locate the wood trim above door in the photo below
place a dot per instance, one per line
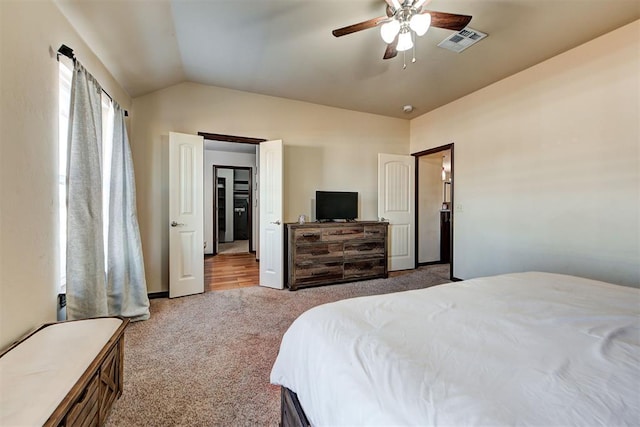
(230, 138)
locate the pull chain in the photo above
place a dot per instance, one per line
(413, 60)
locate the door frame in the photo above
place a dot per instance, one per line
(417, 205)
(215, 205)
(240, 140)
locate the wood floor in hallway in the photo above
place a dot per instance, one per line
(231, 271)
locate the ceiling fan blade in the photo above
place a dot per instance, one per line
(448, 21)
(359, 26)
(391, 51)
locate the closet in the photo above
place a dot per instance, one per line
(233, 195)
(241, 204)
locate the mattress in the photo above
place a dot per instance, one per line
(516, 349)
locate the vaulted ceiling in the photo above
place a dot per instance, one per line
(285, 48)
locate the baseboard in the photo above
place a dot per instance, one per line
(153, 295)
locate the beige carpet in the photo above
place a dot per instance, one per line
(205, 360)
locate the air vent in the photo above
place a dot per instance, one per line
(461, 40)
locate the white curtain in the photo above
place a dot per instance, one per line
(86, 292)
(127, 288)
(95, 287)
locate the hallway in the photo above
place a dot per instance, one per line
(231, 271)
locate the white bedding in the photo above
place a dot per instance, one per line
(517, 349)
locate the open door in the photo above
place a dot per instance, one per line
(396, 183)
(186, 215)
(271, 211)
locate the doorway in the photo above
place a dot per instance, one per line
(232, 209)
(434, 207)
(231, 214)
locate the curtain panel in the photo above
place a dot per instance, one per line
(100, 284)
(86, 294)
(126, 284)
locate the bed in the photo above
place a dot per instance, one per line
(516, 349)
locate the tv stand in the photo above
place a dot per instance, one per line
(321, 253)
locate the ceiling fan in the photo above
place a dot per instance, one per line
(405, 17)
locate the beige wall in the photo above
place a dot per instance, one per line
(325, 148)
(30, 33)
(547, 165)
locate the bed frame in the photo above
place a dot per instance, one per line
(291, 412)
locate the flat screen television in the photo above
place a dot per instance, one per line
(336, 205)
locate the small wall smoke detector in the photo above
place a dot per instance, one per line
(407, 108)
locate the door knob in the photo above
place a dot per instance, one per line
(276, 222)
(175, 224)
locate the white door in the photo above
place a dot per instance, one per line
(396, 183)
(271, 207)
(186, 215)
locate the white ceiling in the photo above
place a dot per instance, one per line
(285, 48)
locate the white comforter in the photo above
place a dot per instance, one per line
(517, 349)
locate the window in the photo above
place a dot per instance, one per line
(65, 78)
(64, 90)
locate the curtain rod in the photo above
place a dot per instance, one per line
(68, 52)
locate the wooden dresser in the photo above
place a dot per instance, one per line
(63, 374)
(323, 253)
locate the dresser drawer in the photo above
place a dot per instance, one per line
(360, 249)
(305, 252)
(343, 233)
(309, 272)
(373, 231)
(307, 235)
(364, 268)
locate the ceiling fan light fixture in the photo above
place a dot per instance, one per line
(389, 30)
(420, 23)
(405, 41)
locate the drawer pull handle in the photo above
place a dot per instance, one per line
(308, 235)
